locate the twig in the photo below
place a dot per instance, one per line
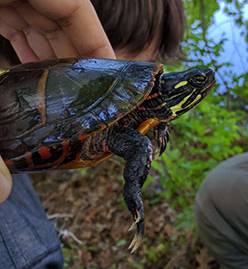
(59, 216)
(65, 234)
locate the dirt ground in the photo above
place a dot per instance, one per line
(87, 208)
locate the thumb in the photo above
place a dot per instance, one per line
(5, 181)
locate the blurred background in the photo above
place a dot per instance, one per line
(87, 206)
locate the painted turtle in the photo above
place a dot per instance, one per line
(77, 112)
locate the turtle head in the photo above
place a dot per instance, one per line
(183, 90)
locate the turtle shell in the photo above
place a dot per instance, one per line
(47, 102)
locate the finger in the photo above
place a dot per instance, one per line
(39, 44)
(57, 40)
(36, 41)
(5, 181)
(79, 21)
(19, 43)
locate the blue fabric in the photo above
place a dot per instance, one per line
(27, 238)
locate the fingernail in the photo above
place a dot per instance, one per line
(5, 181)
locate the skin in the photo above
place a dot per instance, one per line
(45, 29)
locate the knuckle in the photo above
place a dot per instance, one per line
(52, 33)
(27, 30)
(64, 22)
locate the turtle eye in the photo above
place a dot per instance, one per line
(198, 79)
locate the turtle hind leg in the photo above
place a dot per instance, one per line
(136, 149)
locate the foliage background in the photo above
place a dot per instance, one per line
(217, 36)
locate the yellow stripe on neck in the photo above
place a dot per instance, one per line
(178, 107)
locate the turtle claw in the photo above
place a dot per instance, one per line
(163, 141)
(132, 227)
(136, 242)
(136, 221)
(138, 237)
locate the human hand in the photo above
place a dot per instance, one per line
(45, 29)
(5, 181)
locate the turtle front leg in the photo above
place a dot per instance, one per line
(136, 149)
(160, 137)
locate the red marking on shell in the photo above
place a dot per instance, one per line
(82, 137)
(105, 146)
(44, 152)
(66, 148)
(102, 126)
(29, 159)
(152, 96)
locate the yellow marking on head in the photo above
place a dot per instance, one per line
(178, 107)
(181, 84)
(3, 71)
